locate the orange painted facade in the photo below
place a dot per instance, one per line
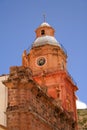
(48, 62)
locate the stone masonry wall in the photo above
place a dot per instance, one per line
(30, 108)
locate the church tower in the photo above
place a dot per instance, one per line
(41, 93)
(48, 62)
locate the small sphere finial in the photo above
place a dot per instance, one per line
(44, 16)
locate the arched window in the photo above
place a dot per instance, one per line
(42, 32)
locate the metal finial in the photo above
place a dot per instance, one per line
(44, 16)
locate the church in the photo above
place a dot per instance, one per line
(41, 92)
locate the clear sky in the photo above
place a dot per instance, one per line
(19, 19)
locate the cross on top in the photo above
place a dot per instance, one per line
(44, 16)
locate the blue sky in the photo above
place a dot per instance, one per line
(19, 19)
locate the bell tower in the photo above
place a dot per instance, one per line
(46, 53)
(48, 62)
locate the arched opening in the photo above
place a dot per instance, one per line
(42, 32)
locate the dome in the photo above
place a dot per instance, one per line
(46, 40)
(44, 24)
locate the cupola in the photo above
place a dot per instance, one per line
(45, 35)
(44, 29)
